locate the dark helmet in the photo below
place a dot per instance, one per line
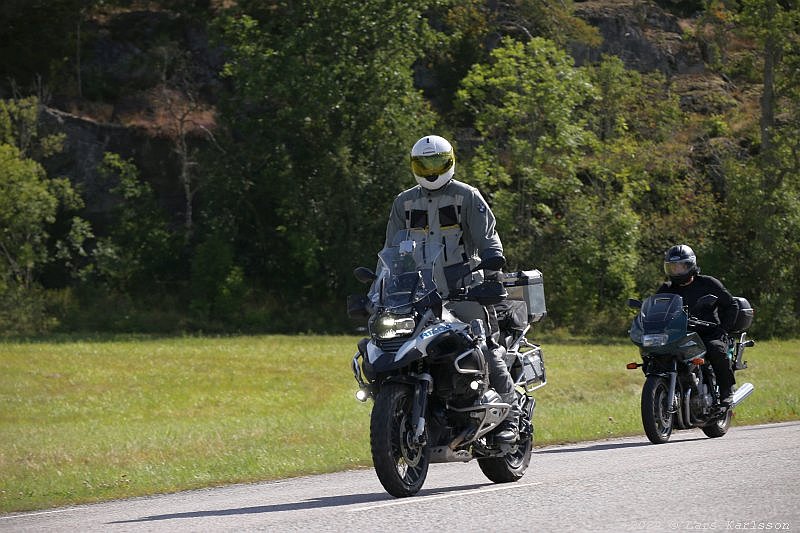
(680, 264)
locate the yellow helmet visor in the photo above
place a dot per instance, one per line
(432, 165)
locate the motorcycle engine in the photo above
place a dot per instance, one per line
(704, 398)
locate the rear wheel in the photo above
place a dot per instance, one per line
(718, 427)
(512, 466)
(657, 409)
(401, 464)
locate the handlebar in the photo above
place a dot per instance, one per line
(702, 323)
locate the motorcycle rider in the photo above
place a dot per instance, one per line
(680, 264)
(442, 208)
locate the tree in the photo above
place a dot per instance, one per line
(776, 24)
(29, 200)
(757, 232)
(321, 120)
(31, 204)
(36, 37)
(471, 29)
(182, 117)
(138, 251)
(526, 108)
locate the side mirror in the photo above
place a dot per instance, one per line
(364, 275)
(633, 303)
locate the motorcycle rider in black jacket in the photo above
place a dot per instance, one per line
(680, 264)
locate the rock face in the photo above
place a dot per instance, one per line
(640, 33)
(86, 143)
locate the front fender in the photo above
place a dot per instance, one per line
(383, 361)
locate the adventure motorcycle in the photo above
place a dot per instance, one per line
(680, 389)
(426, 372)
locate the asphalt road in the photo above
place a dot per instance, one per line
(747, 480)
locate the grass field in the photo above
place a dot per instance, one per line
(94, 419)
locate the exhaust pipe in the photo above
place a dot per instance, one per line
(741, 393)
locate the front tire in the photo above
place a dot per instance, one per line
(718, 427)
(401, 465)
(657, 417)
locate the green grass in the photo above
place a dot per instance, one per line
(90, 420)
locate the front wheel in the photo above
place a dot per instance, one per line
(401, 464)
(719, 426)
(657, 415)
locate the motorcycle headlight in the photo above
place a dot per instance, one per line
(656, 339)
(390, 327)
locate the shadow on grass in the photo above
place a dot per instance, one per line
(314, 503)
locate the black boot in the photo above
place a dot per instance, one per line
(507, 431)
(726, 395)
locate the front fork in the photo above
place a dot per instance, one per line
(673, 379)
(421, 389)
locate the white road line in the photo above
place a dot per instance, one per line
(404, 501)
(24, 515)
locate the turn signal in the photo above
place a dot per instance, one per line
(699, 361)
(633, 366)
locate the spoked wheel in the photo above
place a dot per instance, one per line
(657, 409)
(510, 467)
(401, 464)
(513, 465)
(718, 427)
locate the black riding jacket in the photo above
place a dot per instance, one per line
(723, 313)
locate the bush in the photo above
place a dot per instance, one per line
(24, 311)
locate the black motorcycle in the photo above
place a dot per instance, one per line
(680, 390)
(426, 372)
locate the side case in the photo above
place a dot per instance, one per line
(744, 317)
(527, 286)
(533, 369)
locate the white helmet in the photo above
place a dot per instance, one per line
(433, 162)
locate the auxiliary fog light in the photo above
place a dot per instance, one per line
(474, 385)
(362, 395)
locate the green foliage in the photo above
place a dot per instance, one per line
(218, 287)
(629, 103)
(757, 240)
(27, 206)
(31, 206)
(139, 250)
(29, 200)
(592, 172)
(525, 106)
(326, 111)
(529, 106)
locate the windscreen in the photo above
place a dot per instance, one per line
(409, 269)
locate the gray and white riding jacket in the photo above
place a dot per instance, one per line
(458, 216)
